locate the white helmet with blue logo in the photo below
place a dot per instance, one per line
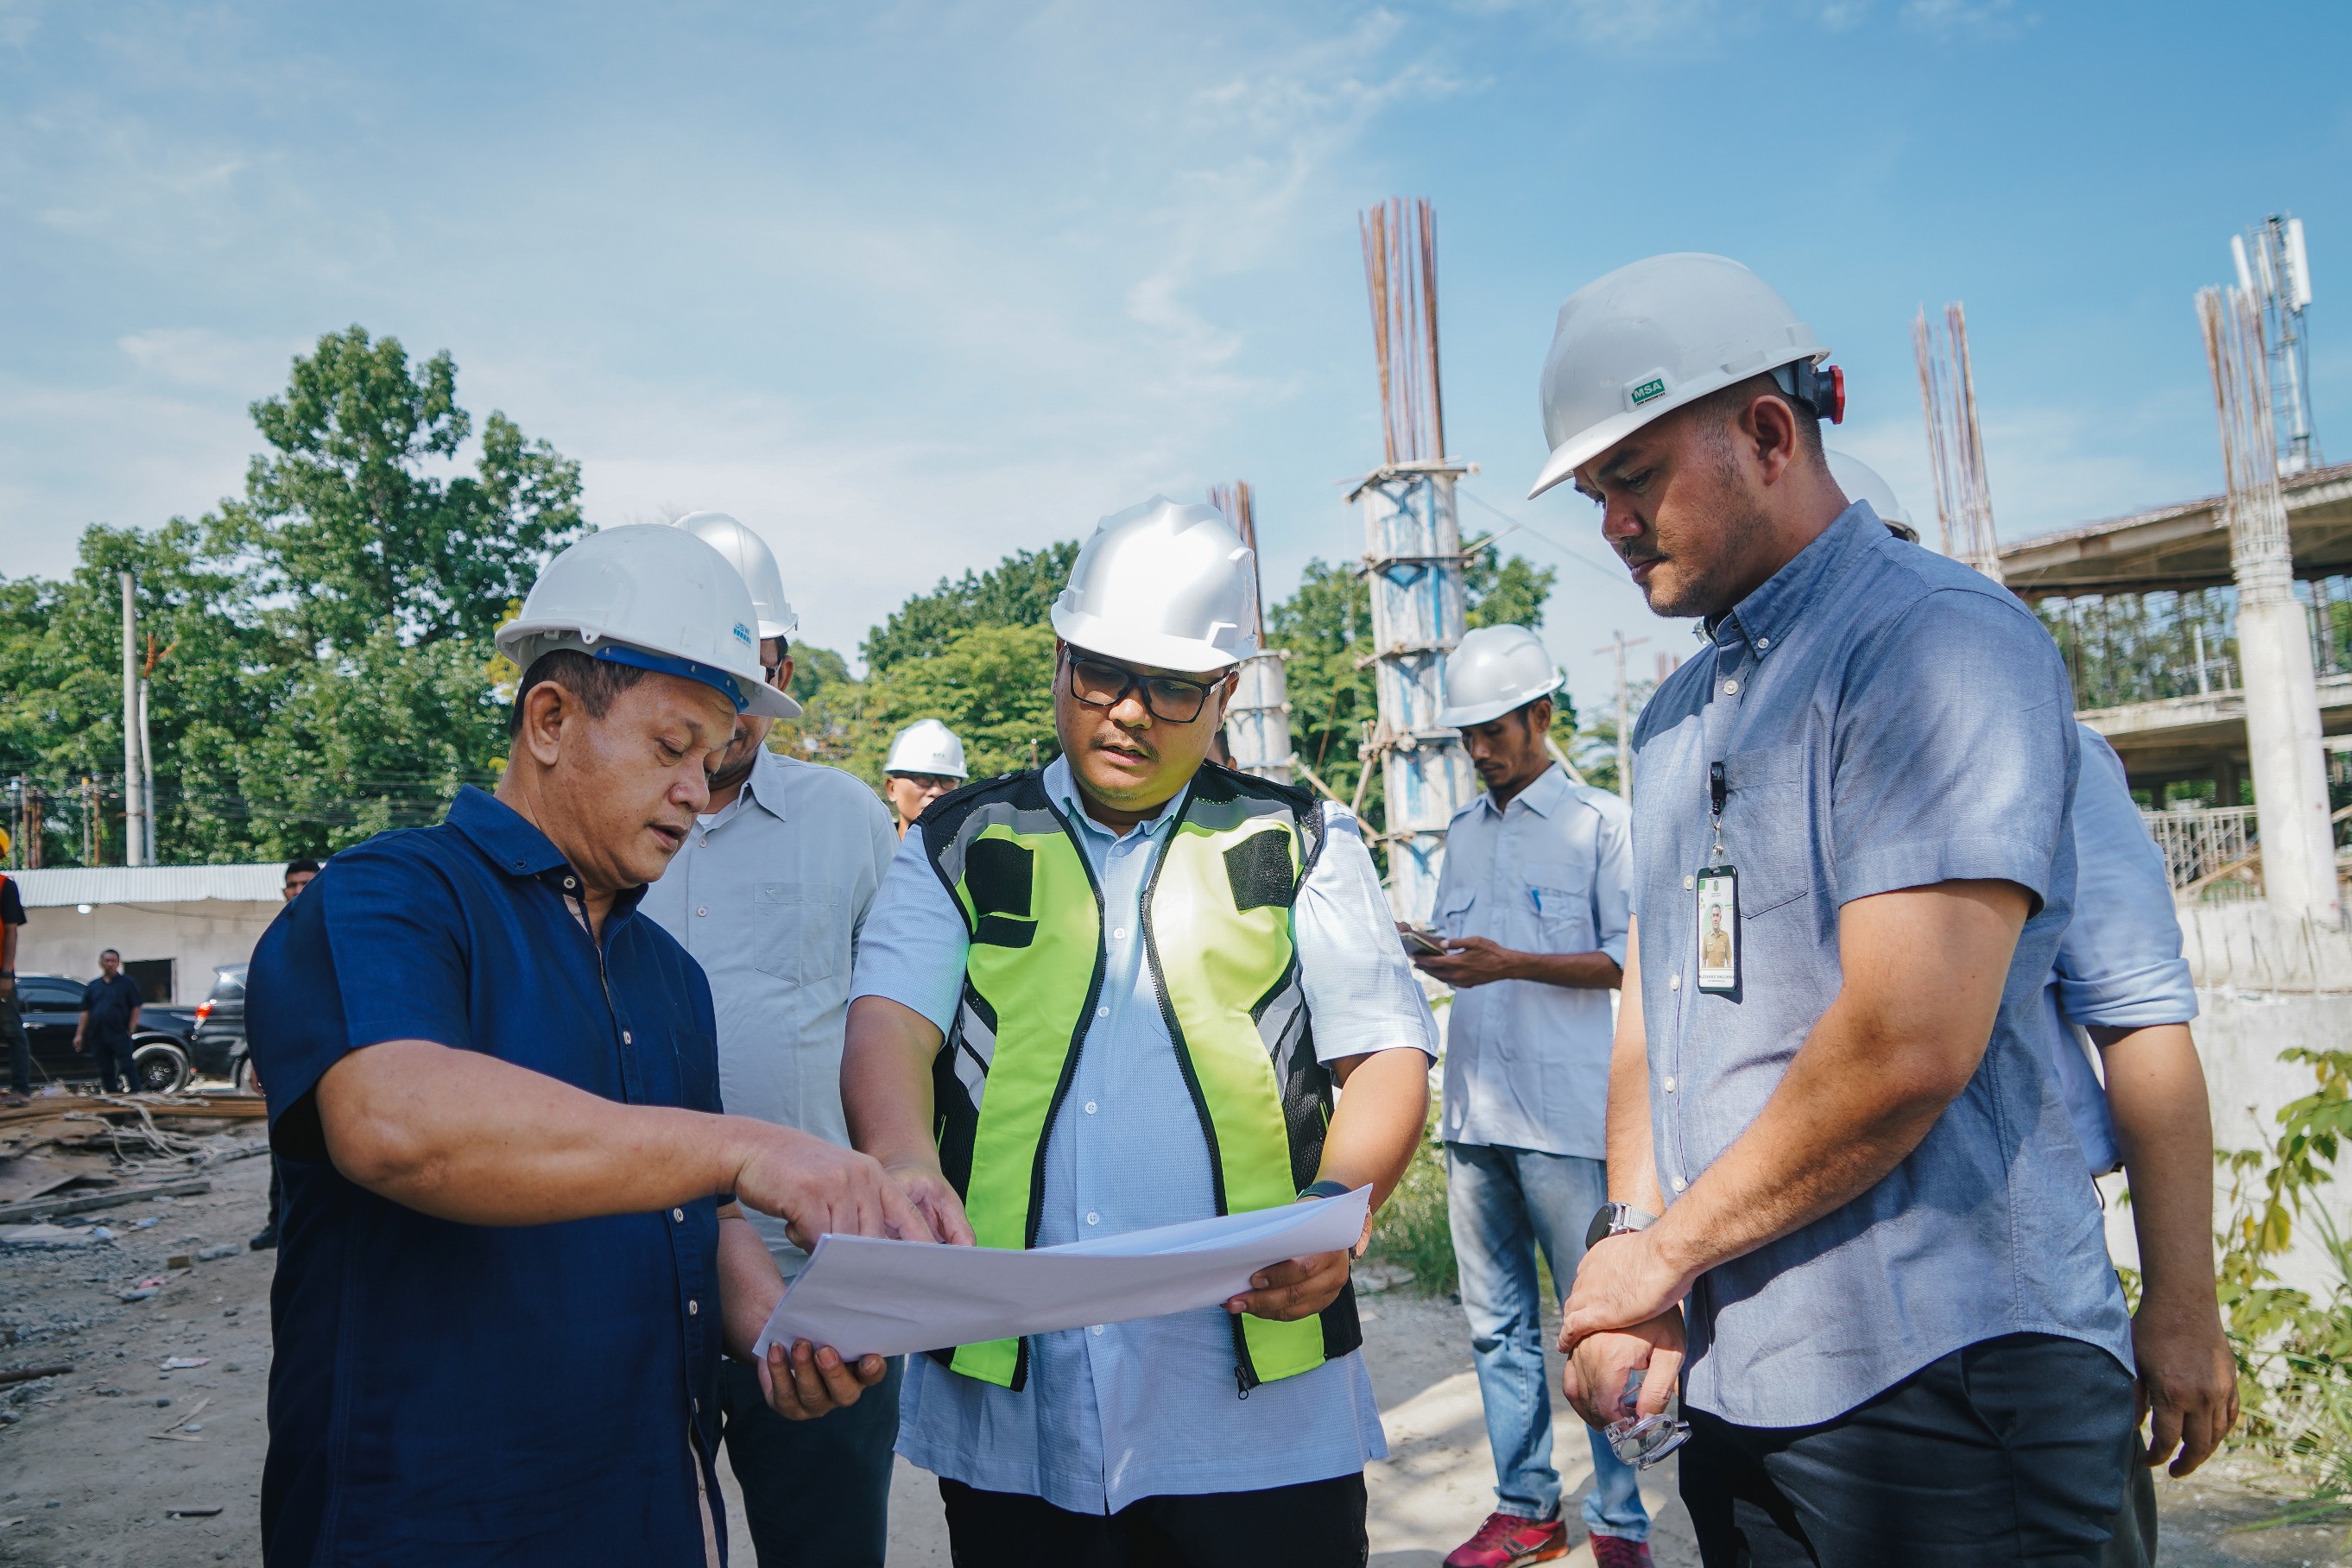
(655, 597)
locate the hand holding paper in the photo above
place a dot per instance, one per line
(863, 1296)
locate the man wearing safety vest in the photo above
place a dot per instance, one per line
(1119, 993)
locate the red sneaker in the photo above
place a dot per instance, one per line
(1509, 1539)
(1616, 1551)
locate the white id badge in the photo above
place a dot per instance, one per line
(1718, 930)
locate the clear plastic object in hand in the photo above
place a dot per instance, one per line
(1643, 1440)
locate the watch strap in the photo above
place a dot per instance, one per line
(1616, 1219)
(1325, 1189)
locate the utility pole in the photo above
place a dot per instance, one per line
(1624, 718)
(134, 761)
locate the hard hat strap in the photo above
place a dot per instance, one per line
(671, 664)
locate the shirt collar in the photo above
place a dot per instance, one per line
(1062, 790)
(1543, 797)
(512, 844)
(1765, 616)
(766, 785)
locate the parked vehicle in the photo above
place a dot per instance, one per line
(219, 1044)
(161, 1054)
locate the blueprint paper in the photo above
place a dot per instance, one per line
(864, 1295)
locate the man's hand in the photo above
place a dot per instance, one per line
(1470, 961)
(806, 1382)
(927, 1188)
(817, 1188)
(1623, 1281)
(1594, 1378)
(2187, 1378)
(1298, 1288)
(7, 985)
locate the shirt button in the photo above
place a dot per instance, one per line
(1096, 1330)
(568, 882)
(1092, 1218)
(1120, 935)
(627, 1038)
(1090, 1108)
(1102, 1012)
(1670, 1086)
(1730, 688)
(697, 1406)
(694, 1307)
(679, 1214)
(1679, 1184)
(1674, 982)
(1689, 883)
(702, 911)
(1763, 642)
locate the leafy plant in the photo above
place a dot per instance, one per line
(1414, 1231)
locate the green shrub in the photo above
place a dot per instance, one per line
(1412, 1231)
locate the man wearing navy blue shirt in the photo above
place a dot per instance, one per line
(109, 1017)
(511, 1256)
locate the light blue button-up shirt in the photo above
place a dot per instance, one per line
(1124, 1411)
(2119, 963)
(1886, 719)
(1527, 1064)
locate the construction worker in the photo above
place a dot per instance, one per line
(1118, 994)
(1531, 908)
(1904, 1341)
(512, 1254)
(2120, 987)
(769, 894)
(12, 1023)
(926, 761)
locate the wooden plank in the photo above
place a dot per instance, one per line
(115, 1199)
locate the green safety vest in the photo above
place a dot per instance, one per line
(1219, 943)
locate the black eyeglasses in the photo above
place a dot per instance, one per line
(1098, 683)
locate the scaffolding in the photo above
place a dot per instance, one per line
(1258, 724)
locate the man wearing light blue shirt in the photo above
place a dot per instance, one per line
(1532, 906)
(1114, 995)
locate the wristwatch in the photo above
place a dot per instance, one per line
(1616, 1219)
(1325, 1189)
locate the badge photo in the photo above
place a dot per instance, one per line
(1718, 930)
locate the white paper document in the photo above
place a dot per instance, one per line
(868, 1297)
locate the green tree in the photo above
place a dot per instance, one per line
(994, 686)
(1017, 591)
(342, 516)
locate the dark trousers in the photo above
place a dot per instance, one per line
(816, 1494)
(1318, 1524)
(20, 1049)
(2013, 1450)
(115, 1070)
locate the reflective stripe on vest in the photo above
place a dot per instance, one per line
(1217, 932)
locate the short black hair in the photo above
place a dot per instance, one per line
(300, 864)
(1719, 407)
(595, 681)
(104, 951)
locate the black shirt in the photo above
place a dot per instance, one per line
(109, 1004)
(12, 903)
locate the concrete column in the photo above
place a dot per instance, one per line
(2283, 734)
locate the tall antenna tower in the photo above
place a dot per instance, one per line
(2298, 845)
(1257, 725)
(1947, 394)
(1412, 558)
(2274, 274)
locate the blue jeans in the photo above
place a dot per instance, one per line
(1505, 1203)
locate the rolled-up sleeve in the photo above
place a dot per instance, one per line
(1360, 988)
(914, 942)
(2119, 965)
(1956, 751)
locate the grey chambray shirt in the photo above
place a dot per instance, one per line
(768, 895)
(1886, 719)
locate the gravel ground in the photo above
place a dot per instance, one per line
(93, 1464)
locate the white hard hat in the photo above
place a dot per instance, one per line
(1492, 670)
(1860, 482)
(657, 598)
(1649, 338)
(926, 746)
(750, 555)
(1165, 586)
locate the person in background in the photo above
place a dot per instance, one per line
(769, 893)
(926, 761)
(2120, 988)
(1116, 994)
(12, 1023)
(513, 1252)
(1846, 1161)
(1531, 907)
(109, 1017)
(300, 873)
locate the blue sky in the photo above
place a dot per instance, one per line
(908, 285)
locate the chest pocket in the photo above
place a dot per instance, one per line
(1453, 916)
(803, 931)
(1768, 827)
(1559, 895)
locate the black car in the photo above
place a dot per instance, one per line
(219, 1044)
(161, 1060)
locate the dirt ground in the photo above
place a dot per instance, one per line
(94, 1464)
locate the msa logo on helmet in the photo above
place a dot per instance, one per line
(1654, 387)
(742, 634)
